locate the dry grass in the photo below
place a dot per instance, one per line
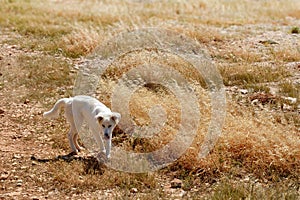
(289, 89)
(249, 74)
(257, 156)
(37, 21)
(80, 42)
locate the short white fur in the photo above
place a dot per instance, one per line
(100, 119)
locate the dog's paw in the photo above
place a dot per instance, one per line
(79, 149)
(101, 156)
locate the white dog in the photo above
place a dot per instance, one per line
(99, 118)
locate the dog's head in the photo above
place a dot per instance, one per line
(108, 122)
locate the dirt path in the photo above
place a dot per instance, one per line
(21, 127)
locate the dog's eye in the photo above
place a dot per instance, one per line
(109, 126)
(103, 126)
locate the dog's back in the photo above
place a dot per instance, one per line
(87, 105)
(79, 104)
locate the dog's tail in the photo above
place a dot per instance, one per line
(54, 112)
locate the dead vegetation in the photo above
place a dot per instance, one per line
(255, 46)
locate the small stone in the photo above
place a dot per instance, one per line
(4, 176)
(12, 194)
(182, 193)
(33, 163)
(26, 101)
(267, 42)
(133, 190)
(291, 100)
(176, 183)
(286, 107)
(35, 198)
(19, 182)
(243, 91)
(17, 156)
(255, 102)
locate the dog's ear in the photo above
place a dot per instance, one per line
(116, 117)
(99, 118)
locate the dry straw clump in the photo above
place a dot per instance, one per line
(81, 41)
(251, 142)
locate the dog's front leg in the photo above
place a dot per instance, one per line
(99, 140)
(108, 147)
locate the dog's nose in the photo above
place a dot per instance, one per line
(106, 135)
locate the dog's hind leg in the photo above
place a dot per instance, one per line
(77, 124)
(75, 120)
(75, 141)
(71, 140)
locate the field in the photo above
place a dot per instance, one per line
(254, 47)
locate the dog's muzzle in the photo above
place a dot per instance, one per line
(106, 136)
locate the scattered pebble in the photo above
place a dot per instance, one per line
(244, 91)
(133, 190)
(266, 42)
(19, 182)
(26, 101)
(290, 99)
(176, 183)
(4, 176)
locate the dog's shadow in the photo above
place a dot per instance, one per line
(91, 164)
